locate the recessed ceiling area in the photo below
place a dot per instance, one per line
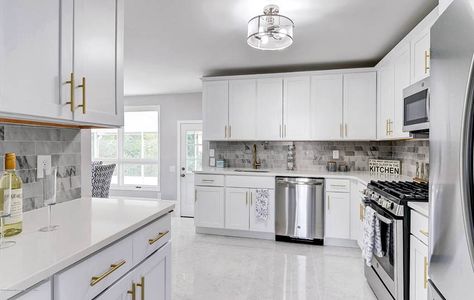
(170, 45)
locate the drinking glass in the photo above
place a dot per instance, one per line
(49, 196)
(5, 213)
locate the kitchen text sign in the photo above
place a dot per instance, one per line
(384, 166)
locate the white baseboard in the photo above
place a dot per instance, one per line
(340, 243)
(237, 233)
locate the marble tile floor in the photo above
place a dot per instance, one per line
(207, 267)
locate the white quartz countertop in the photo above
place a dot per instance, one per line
(364, 177)
(86, 225)
(421, 207)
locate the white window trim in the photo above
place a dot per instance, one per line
(120, 161)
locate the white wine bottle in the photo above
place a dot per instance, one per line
(9, 179)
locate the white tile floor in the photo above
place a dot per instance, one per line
(211, 267)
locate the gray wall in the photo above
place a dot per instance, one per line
(173, 108)
(64, 146)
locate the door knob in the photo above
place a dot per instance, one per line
(183, 175)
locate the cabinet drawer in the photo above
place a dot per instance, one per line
(338, 185)
(257, 182)
(150, 238)
(88, 278)
(209, 180)
(419, 226)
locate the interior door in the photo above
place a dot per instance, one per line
(190, 148)
(269, 108)
(326, 107)
(297, 106)
(98, 44)
(242, 109)
(215, 109)
(401, 81)
(237, 202)
(360, 102)
(36, 57)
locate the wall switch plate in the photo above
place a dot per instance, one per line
(335, 154)
(43, 165)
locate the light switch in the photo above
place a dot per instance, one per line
(43, 165)
(335, 154)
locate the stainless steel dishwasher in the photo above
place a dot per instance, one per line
(299, 209)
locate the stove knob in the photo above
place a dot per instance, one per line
(392, 205)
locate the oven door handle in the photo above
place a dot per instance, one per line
(383, 219)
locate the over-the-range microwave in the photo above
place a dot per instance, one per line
(416, 107)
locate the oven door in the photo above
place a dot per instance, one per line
(416, 107)
(389, 265)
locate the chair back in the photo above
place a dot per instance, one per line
(101, 179)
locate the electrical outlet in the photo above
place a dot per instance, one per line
(335, 154)
(43, 165)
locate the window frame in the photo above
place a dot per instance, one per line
(120, 160)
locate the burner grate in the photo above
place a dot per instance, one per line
(402, 190)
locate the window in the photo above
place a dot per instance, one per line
(134, 148)
(193, 151)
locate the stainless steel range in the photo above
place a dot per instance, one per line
(389, 274)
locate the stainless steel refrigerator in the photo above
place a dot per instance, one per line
(451, 231)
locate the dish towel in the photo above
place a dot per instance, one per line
(369, 235)
(262, 199)
(378, 239)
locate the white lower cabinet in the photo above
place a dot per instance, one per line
(209, 207)
(418, 269)
(150, 280)
(237, 208)
(337, 218)
(39, 292)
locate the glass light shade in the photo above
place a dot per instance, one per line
(270, 32)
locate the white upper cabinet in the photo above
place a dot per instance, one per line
(35, 58)
(215, 102)
(326, 107)
(420, 49)
(401, 81)
(360, 100)
(269, 108)
(296, 99)
(242, 109)
(385, 100)
(98, 59)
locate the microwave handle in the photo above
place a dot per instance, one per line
(428, 99)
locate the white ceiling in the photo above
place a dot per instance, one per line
(171, 44)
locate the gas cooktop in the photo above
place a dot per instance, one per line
(401, 191)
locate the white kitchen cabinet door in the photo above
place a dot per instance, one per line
(39, 292)
(36, 57)
(337, 217)
(326, 107)
(386, 98)
(215, 109)
(237, 202)
(98, 59)
(420, 50)
(242, 109)
(269, 108)
(418, 269)
(154, 276)
(297, 108)
(260, 224)
(360, 102)
(121, 290)
(209, 207)
(356, 196)
(401, 81)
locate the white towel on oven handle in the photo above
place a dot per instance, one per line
(369, 227)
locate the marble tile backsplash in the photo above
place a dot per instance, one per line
(64, 146)
(314, 155)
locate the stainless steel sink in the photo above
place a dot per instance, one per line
(251, 171)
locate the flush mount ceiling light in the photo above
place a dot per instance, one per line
(270, 31)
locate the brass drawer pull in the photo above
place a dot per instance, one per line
(113, 267)
(160, 235)
(425, 273)
(142, 286)
(83, 86)
(71, 91)
(424, 232)
(133, 291)
(427, 56)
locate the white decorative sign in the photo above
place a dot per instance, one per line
(384, 166)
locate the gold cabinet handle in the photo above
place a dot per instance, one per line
(340, 130)
(427, 56)
(284, 131)
(230, 131)
(424, 232)
(113, 267)
(71, 91)
(281, 135)
(225, 131)
(329, 203)
(195, 195)
(425, 273)
(345, 127)
(83, 86)
(361, 212)
(142, 286)
(386, 127)
(246, 198)
(160, 235)
(133, 291)
(251, 198)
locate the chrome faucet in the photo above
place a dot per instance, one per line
(255, 162)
